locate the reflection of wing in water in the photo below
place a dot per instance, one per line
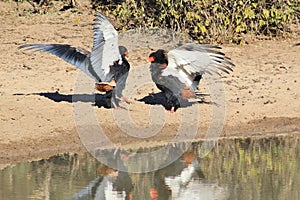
(101, 188)
(87, 192)
(200, 189)
(184, 178)
(186, 186)
(106, 190)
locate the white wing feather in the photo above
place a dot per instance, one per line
(198, 59)
(183, 77)
(105, 50)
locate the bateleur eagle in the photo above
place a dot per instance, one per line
(106, 63)
(177, 73)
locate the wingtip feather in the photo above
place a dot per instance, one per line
(31, 47)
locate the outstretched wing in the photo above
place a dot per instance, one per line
(197, 59)
(105, 50)
(74, 55)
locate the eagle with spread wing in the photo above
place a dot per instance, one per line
(106, 63)
(177, 73)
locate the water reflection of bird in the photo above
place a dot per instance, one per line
(178, 72)
(111, 184)
(106, 64)
(184, 179)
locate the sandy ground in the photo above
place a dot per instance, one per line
(37, 114)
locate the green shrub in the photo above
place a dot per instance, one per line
(207, 20)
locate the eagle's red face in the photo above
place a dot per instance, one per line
(160, 57)
(126, 54)
(151, 59)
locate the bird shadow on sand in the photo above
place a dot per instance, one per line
(98, 100)
(160, 99)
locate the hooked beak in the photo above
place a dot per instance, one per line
(150, 59)
(126, 54)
